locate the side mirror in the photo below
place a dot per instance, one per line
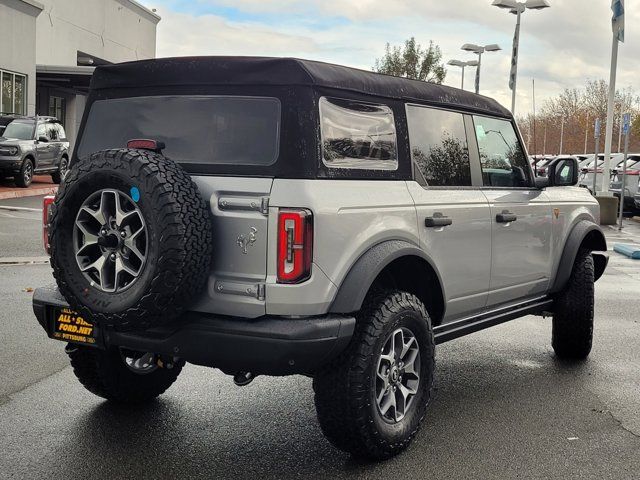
(43, 139)
(563, 172)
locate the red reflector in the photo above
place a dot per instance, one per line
(46, 217)
(295, 245)
(145, 144)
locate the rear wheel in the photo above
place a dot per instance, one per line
(572, 333)
(58, 176)
(371, 401)
(122, 376)
(25, 176)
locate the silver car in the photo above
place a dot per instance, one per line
(270, 216)
(630, 182)
(34, 145)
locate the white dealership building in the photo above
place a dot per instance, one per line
(50, 48)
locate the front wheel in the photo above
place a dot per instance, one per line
(25, 176)
(58, 175)
(572, 331)
(122, 376)
(371, 401)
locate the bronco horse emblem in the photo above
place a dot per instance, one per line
(245, 241)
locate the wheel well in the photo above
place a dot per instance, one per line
(32, 158)
(414, 275)
(594, 241)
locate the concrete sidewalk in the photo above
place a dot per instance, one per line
(42, 185)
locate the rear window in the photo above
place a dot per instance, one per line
(219, 130)
(357, 135)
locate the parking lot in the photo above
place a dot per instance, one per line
(504, 406)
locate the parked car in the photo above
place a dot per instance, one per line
(356, 226)
(586, 175)
(543, 166)
(32, 145)
(539, 164)
(631, 181)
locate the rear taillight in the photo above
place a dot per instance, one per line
(295, 245)
(47, 202)
(146, 144)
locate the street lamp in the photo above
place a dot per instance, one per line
(479, 50)
(518, 8)
(461, 64)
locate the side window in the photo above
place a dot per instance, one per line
(61, 133)
(52, 131)
(501, 155)
(41, 131)
(439, 147)
(357, 135)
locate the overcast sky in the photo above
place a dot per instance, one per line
(560, 47)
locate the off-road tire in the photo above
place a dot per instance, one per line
(345, 389)
(572, 331)
(105, 374)
(58, 175)
(179, 239)
(20, 179)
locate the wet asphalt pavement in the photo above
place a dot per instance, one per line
(504, 408)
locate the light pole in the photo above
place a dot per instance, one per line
(479, 50)
(461, 64)
(518, 8)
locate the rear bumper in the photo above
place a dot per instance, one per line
(265, 346)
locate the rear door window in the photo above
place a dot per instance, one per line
(222, 130)
(502, 158)
(357, 135)
(439, 147)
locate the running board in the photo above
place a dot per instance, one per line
(459, 328)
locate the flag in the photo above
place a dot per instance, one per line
(514, 59)
(617, 22)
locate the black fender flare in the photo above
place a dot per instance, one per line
(586, 233)
(365, 270)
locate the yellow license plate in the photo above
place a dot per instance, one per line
(69, 326)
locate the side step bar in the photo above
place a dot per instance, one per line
(459, 328)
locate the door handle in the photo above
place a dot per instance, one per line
(506, 217)
(438, 220)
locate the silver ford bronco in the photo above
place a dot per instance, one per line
(275, 216)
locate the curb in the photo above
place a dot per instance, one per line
(28, 192)
(24, 260)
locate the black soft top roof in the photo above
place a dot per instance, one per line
(240, 71)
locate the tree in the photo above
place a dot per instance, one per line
(412, 61)
(573, 113)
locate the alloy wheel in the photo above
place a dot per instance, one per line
(397, 375)
(110, 240)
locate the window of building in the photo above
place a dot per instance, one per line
(357, 135)
(57, 108)
(13, 91)
(439, 146)
(501, 156)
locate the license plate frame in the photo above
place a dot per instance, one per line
(69, 326)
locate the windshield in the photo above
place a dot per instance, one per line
(195, 129)
(19, 130)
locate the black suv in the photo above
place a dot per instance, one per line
(31, 145)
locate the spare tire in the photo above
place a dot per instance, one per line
(130, 239)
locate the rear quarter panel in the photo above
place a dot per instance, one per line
(350, 216)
